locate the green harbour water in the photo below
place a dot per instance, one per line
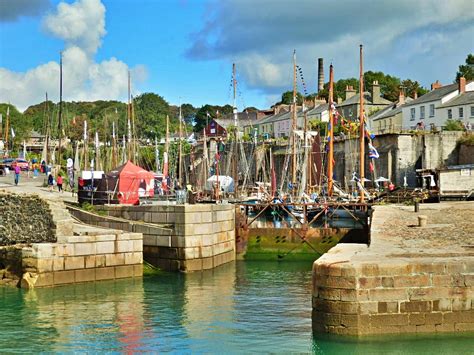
(241, 307)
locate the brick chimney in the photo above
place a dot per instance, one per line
(350, 92)
(415, 95)
(436, 85)
(401, 98)
(376, 99)
(462, 85)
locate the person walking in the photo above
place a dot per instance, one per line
(59, 182)
(50, 182)
(17, 171)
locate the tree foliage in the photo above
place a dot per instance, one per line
(287, 98)
(467, 70)
(201, 119)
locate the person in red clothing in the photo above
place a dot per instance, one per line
(59, 182)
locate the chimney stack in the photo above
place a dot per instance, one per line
(462, 85)
(320, 75)
(376, 93)
(349, 92)
(415, 95)
(436, 85)
(401, 98)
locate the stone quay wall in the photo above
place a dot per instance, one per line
(92, 255)
(25, 219)
(399, 287)
(176, 237)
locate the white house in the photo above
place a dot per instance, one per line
(460, 108)
(422, 112)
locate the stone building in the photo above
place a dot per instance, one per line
(389, 119)
(350, 107)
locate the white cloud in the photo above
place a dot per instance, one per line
(81, 25)
(261, 39)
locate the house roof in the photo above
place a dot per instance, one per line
(353, 100)
(243, 119)
(274, 118)
(390, 110)
(465, 98)
(318, 109)
(434, 95)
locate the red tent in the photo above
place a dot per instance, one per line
(133, 182)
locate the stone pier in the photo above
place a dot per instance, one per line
(175, 237)
(409, 280)
(42, 245)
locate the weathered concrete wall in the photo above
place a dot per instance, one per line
(394, 287)
(400, 155)
(176, 237)
(466, 154)
(93, 255)
(25, 219)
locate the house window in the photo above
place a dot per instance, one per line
(461, 112)
(412, 114)
(432, 110)
(450, 113)
(422, 112)
(472, 111)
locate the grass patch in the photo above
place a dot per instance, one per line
(466, 139)
(150, 270)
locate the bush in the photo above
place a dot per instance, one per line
(453, 125)
(466, 139)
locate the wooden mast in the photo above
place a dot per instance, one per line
(236, 139)
(331, 131)
(293, 127)
(362, 126)
(180, 152)
(7, 128)
(60, 128)
(129, 117)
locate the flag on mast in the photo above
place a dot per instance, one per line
(13, 133)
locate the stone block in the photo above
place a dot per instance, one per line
(433, 318)
(137, 245)
(149, 239)
(84, 275)
(84, 249)
(82, 239)
(207, 252)
(58, 264)
(100, 260)
(42, 250)
(45, 279)
(74, 262)
(341, 282)
(387, 281)
(426, 328)
(133, 258)
(429, 293)
(469, 280)
(382, 320)
(415, 306)
(459, 317)
(30, 263)
(65, 249)
(369, 282)
(416, 318)
(331, 294)
(168, 253)
(464, 327)
(354, 295)
(207, 263)
(449, 327)
(411, 281)
(460, 304)
(206, 217)
(349, 320)
(441, 280)
(191, 265)
(368, 307)
(106, 237)
(124, 246)
(388, 294)
(45, 265)
(138, 270)
(442, 305)
(114, 259)
(188, 253)
(89, 261)
(105, 247)
(163, 240)
(123, 271)
(63, 277)
(209, 240)
(104, 273)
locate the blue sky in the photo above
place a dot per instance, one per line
(184, 49)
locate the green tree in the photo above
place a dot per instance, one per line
(410, 87)
(389, 85)
(202, 119)
(150, 116)
(17, 121)
(467, 70)
(287, 98)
